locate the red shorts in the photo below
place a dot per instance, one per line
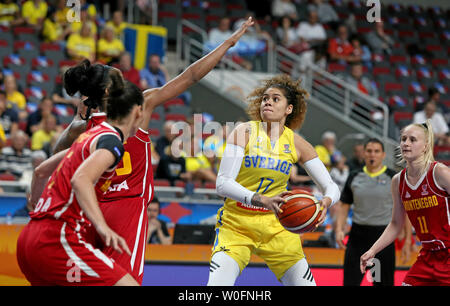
(128, 218)
(432, 268)
(50, 252)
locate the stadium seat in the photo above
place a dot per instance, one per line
(25, 49)
(7, 177)
(26, 34)
(416, 88)
(161, 183)
(176, 101)
(402, 119)
(399, 103)
(391, 87)
(45, 65)
(175, 117)
(169, 20)
(34, 94)
(42, 80)
(6, 48)
(336, 67)
(53, 51)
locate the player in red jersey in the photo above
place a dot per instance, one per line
(57, 237)
(128, 192)
(420, 191)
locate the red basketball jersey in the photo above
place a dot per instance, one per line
(95, 119)
(125, 197)
(133, 176)
(58, 199)
(428, 209)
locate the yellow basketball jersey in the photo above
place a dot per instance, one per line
(266, 166)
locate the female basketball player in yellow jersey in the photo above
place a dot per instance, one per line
(253, 177)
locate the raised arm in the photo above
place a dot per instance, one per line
(195, 72)
(70, 133)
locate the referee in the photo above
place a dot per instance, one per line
(369, 191)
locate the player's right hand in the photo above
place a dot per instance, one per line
(241, 31)
(112, 239)
(340, 235)
(366, 260)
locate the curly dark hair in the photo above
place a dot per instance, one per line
(293, 92)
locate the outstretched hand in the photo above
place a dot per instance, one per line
(241, 31)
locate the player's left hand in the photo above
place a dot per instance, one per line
(241, 31)
(324, 204)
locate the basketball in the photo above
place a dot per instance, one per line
(301, 212)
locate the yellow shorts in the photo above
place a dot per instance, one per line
(241, 235)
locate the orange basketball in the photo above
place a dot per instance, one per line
(300, 212)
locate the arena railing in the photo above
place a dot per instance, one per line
(363, 113)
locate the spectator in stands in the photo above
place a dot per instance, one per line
(380, 42)
(117, 24)
(312, 31)
(2, 137)
(339, 171)
(253, 33)
(9, 118)
(90, 9)
(61, 13)
(299, 176)
(34, 13)
(286, 33)
(10, 14)
(44, 109)
(360, 81)
(52, 30)
(109, 48)
(166, 139)
(15, 97)
(327, 151)
(197, 164)
(76, 27)
(340, 49)
(37, 157)
(435, 96)
(325, 13)
(16, 158)
(219, 34)
(45, 134)
(357, 160)
(82, 45)
(440, 127)
(128, 71)
(156, 75)
(157, 229)
(172, 168)
(282, 8)
(361, 50)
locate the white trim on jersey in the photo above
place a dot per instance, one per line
(435, 241)
(146, 171)
(138, 236)
(63, 210)
(418, 182)
(99, 254)
(77, 260)
(435, 181)
(448, 211)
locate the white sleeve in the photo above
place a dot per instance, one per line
(320, 175)
(226, 185)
